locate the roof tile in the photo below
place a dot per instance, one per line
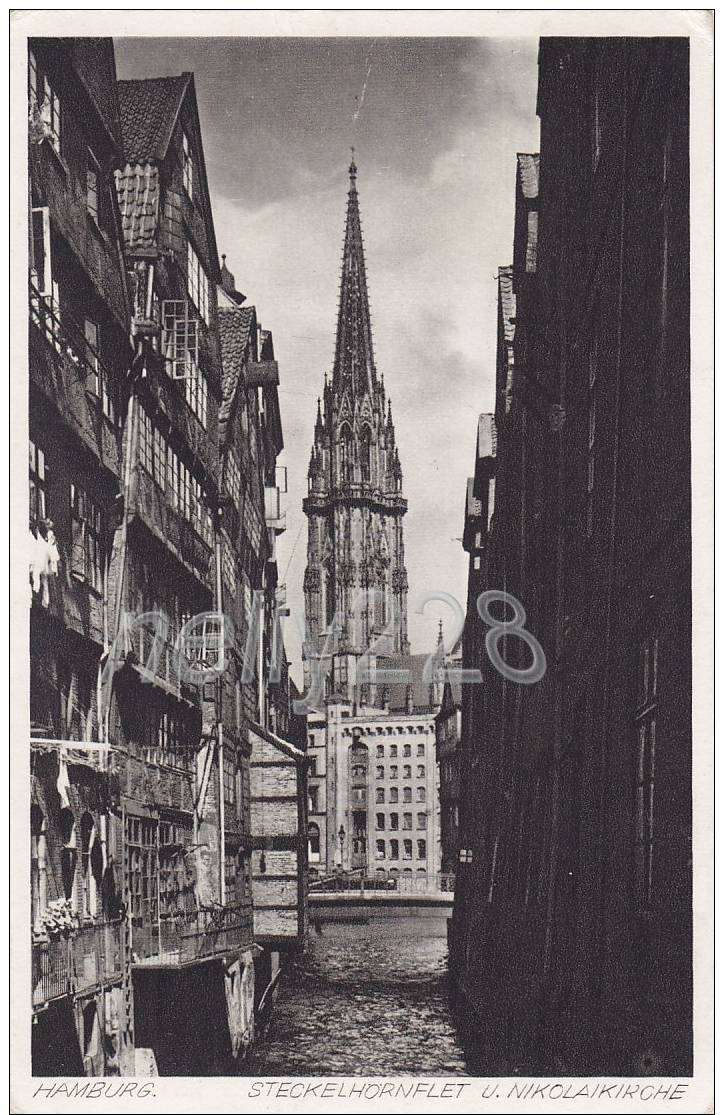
(138, 196)
(235, 327)
(149, 109)
(395, 695)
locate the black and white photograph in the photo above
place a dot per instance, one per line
(361, 560)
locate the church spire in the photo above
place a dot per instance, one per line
(355, 506)
(354, 365)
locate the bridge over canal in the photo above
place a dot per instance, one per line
(360, 899)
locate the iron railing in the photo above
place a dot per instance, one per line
(87, 957)
(433, 883)
(197, 936)
(67, 338)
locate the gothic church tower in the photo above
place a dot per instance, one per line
(355, 550)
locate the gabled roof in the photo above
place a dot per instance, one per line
(95, 65)
(149, 110)
(236, 324)
(396, 694)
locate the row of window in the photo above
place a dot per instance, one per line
(380, 821)
(81, 862)
(180, 344)
(38, 482)
(197, 283)
(44, 102)
(232, 476)
(406, 772)
(101, 383)
(170, 740)
(87, 521)
(185, 491)
(382, 851)
(47, 117)
(394, 794)
(45, 305)
(406, 750)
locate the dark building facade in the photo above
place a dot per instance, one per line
(571, 935)
(448, 723)
(154, 511)
(79, 359)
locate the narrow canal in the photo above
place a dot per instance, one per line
(364, 1000)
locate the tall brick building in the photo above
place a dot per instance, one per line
(154, 505)
(571, 935)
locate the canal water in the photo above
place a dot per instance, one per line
(364, 1000)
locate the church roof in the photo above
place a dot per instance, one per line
(414, 695)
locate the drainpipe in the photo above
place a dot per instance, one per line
(219, 716)
(260, 660)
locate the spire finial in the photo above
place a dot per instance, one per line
(352, 169)
(439, 634)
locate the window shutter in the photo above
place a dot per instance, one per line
(33, 76)
(40, 260)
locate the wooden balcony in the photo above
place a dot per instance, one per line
(192, 938)
(63, 367)
(89, 957)
(65, 196)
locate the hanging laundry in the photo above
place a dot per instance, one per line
(63, 781)
(44, 559)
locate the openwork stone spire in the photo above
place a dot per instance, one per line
(355, 549)
(354, 364)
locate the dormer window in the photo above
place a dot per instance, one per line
(188, 167)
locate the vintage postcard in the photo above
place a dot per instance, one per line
(361, 513)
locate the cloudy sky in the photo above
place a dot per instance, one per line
(436, 124)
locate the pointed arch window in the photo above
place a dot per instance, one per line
(366, 454)
(345, 454)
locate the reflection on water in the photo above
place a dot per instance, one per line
(364, 1000)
